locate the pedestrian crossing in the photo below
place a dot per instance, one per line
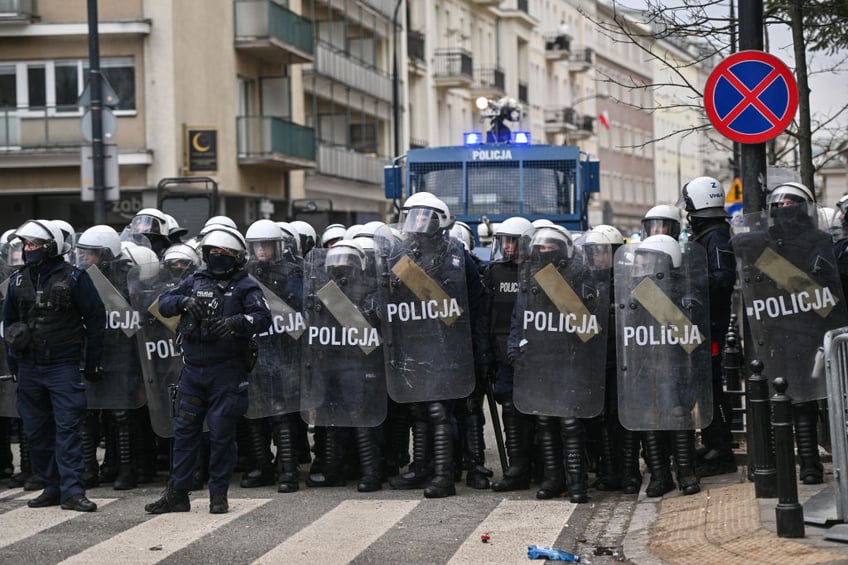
(349, 530)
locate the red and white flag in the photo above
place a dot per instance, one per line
(603, 117)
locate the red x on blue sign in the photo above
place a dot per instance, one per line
(751, 97)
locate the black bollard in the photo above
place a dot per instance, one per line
(732, 375)
(761, 448)
(789, 513)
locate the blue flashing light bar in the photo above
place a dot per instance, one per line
(472, 138)
(521, 138)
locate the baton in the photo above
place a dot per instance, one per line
(496, 424)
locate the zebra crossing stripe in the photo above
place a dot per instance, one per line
(511, 527)
(164, 534)
(24, 522)
(372, 518)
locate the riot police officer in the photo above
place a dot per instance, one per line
(509, 248)
(703, 200)
(275, 388)
(663, 219)
(53, 319)
(150, 224)
(221, 308)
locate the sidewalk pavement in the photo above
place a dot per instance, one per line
(725, 523)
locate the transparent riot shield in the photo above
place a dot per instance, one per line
(8, 388)
(121, 386)
(663, 338)
(563, 335)
(793, 295)
(275, 380)
(158, 350)
(343, 367)
(426, 323)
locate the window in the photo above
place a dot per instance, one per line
(57, 85)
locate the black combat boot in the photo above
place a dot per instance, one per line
(331, 465)
(25, 478)
(806, 416)
(550, 445)
(261, 473)
(144, 446)
(370, 478)
(684, 458)
(574, 436)
(421, 469)
(657, 457)
(125, 479)
(609, 463)
(441, 485)
(109, 467)
(396, 429)
(172, 500)
(286, 462)
(517, 476)
(631, 480)
(477, 475)
(88, 432)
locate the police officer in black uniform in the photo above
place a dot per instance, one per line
(54, 320)
(703, 200)
(221, 308)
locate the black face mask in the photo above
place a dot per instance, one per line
(791, 216)
(35, 256)
(220, 264)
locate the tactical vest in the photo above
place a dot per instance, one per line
(54, 321)
(211, 296)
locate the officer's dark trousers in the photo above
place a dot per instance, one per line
(217, 394)
(51, 402)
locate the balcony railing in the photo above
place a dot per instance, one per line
(581, 60)
(39, 128)
(17, 10)
(567, 120)
(415, 46)
(453, 67)
(345, 163)
(338, 66)
(272, 32)
(490, 78)
(523, 94)
(268, 140)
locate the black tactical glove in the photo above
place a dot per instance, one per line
(222, 328)
(191, 306)
(92, 375)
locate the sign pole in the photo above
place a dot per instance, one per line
(752, 156)
(96, 115)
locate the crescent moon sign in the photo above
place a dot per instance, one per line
(195, 142)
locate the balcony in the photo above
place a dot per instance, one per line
(33, 129)
(345, 163)
(271, 32)
(486, 2)
(518, 11)
(385, 8)
(557, 47)
(453, 68)
(489, 82)
(523, 93)
(268, 141)
(18, 11)
(581, 60)
(340, 68)
(569, 122)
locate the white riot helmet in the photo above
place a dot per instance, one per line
(332, 234)
(830, 222)
(180, 260)
(662, 219)
(216, 221)
(543, 223)
(144, 260)
(551, 245)
(612, 234)
(67, 230)
(597, 249)
(368, 232)
(462, 232)
(307, 235)
(703, 197)
(291, 238)
(511, 238)
(429, 217)
(658, 254)
(351, 232)
(46, 233)
(149, 221)
(786, 199)
(265, 241)
(226, 238)
(11, 249)
(345, 259)
(175, 231)
(413, 199)
(96, 245)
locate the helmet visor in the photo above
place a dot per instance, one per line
(421, 220)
